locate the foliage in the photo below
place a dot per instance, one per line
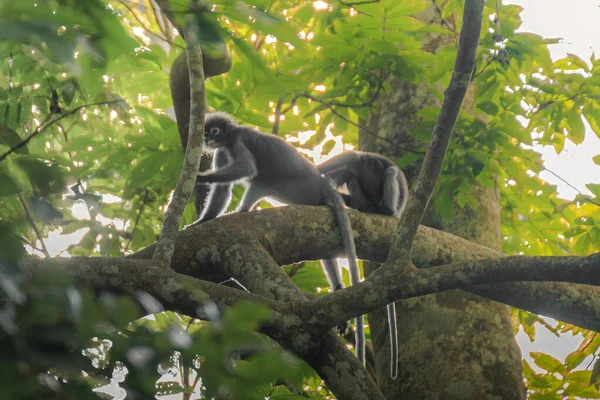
(84, 105)
(61, 341)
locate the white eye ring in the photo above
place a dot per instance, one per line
(214, 130)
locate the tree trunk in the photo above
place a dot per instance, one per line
(452, 345)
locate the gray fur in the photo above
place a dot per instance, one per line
(375, 185)
(273, 168)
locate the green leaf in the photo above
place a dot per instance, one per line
(11, 138)
(8, 186)
(577, 131)
(11, 245)
(575, 60)
(489, 107)
(547, 362)
(595, 377)
(477, 168)
(46, 178)
(381, 46)
(147, 168)
(405, 7)
(583, 244)
(251, 55)
(596, 159)
(594, 188)
(444, 206)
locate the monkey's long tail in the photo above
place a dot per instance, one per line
(343, 220)
(391, 314)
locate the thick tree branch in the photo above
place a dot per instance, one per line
(377, 292)
(187, 180)
(436, 151)
(288, 239)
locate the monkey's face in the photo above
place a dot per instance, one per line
(215, 134)
(211, 137)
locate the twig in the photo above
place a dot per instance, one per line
(442, 21)
(563, 180)
(123, 2)
(589, 199)
(399, 255)
(278, 115)
(185, 184)
(49, 121)
(234, 281)
(137, 220)
(297, 267)
(38, 233)
(358, 3)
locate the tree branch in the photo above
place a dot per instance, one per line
(187, 179)
(288, 240)
(251, 246)
(375, 293)
(436, 151)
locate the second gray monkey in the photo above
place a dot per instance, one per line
(374, 185)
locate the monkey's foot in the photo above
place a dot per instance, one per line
(343, 329)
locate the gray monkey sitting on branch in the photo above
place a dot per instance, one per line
(374, 185)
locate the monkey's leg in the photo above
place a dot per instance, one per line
(254, 192)
(217, 201)
(333, 274)
(220, 194)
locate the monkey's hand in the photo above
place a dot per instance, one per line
(203, 178)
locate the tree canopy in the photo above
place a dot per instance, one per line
(90, 153)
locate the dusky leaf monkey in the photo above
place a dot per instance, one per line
(273, 168)
(374, 185)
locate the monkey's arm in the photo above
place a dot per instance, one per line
(220, 195)
(241, 166)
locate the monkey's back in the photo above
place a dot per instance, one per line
(275, 158)
(373, 168)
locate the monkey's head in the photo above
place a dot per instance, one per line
(219, 130)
